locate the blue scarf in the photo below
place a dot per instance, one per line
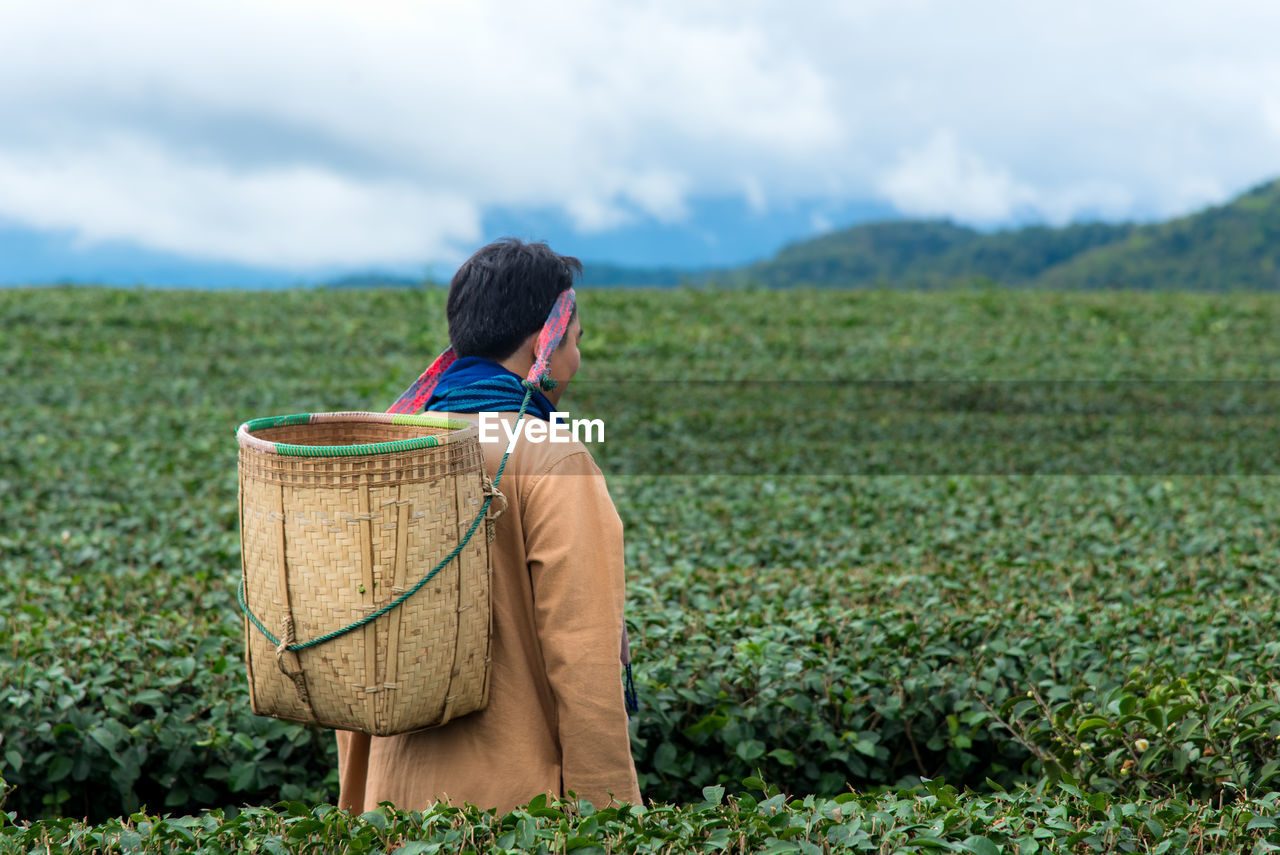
(473, 384)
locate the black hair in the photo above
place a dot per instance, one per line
(503, 293)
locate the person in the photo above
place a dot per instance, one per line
(556, 718)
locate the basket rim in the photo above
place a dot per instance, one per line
(458, 430)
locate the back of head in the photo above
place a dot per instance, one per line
(502, 294)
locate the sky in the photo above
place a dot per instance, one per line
(237, 138)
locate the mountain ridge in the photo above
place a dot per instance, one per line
(1232, 246)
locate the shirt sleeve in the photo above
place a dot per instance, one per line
(573, 544)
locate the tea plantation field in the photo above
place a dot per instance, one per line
(985, 607)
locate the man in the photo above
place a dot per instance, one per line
(556, 720)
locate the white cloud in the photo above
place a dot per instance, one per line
(417, 115)
(306, 133)
(820, 222)
(1271, 113)
(1089, 199)
(592, 214)
(659, 193)
(939, 179)
(287, 217)
(1084, 105)
(753, 194)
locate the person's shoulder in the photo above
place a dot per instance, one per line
(557, 475)
(559, 458)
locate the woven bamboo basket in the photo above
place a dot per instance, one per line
(343, 517)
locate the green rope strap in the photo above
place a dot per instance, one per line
(372, 616)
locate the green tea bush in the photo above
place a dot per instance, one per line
(932, 818)
(104, 714)
(821, 698)
(1106, 633)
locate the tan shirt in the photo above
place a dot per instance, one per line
(556, 719)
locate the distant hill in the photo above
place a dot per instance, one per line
(1235, 246)
(929, 254)
(870, 254)
(1230, 247)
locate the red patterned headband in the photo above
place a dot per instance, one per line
(414, 398)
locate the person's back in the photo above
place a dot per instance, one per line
(556, 720)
